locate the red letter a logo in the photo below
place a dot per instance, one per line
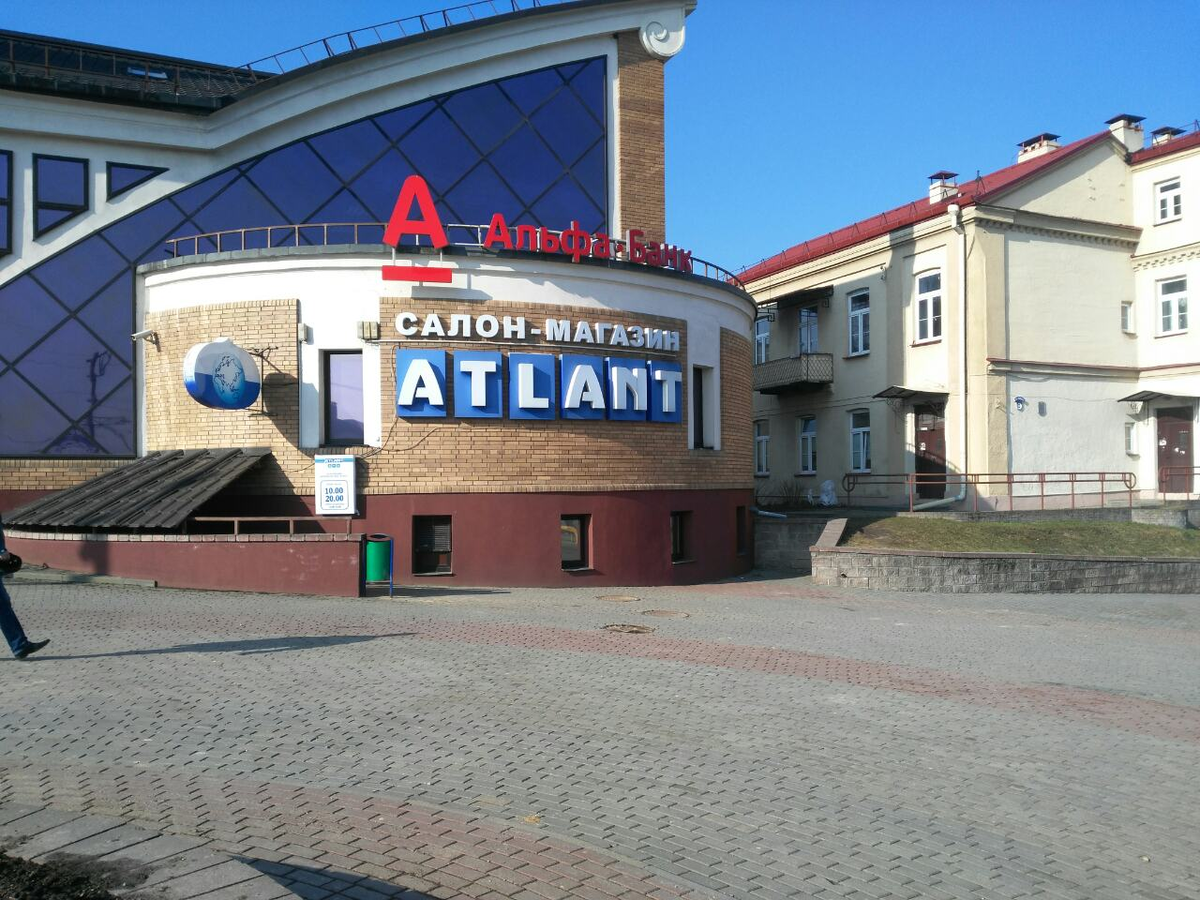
(429, 224)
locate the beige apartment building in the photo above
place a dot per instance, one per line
(1032, 320)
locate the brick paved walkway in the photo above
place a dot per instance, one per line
(781, 741)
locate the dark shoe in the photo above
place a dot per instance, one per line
(31, 647)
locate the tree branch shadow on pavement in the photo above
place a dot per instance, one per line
(249, 647)
(312, 883)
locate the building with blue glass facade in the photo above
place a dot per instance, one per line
(187, 203)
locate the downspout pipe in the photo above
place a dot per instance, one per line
(954, 211)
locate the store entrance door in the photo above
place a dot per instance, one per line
(1175, 450)
(930, 451)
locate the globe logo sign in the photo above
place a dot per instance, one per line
(229, 380)
(221, 375)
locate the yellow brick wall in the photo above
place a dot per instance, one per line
(503, 454)
(174, 421)
(737, 413)
(443, 455)
(50, 474)
(641, 168)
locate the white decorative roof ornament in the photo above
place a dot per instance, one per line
(663, 39)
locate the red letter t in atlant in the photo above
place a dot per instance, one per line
(429, 224)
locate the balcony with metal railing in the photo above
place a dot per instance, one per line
(802, 372)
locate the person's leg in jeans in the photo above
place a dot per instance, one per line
(10, 625)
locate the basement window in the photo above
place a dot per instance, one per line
(574, 540)
(681, 537)
(432, 545)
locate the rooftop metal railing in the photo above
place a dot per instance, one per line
(33, 55)
(393, 29)
(321, 234)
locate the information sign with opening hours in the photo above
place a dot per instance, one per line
(335, 486)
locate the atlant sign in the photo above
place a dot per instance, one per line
(574, 242)
(592, 387)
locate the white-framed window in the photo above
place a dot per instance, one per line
(762, 340)
(929, 307)
(1131, 446)
(1168, 196)
(1128, 325)
(1172, 306)
(860, 440)
(807, 443)
(808, 329)
(859, 311)
(762, 446)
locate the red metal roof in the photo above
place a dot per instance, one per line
(975, 190)
(1166, 148)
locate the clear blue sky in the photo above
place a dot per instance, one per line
(788, 118)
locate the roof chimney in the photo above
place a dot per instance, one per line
(1128, 130)
(942, 186)
(1164, 134)
(1038, 145)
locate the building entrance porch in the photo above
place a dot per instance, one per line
(1175, 457)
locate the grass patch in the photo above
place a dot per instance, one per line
(1069, 538)
(52, 880)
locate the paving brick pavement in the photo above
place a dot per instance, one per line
(781, 741)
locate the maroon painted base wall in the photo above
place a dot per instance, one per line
(498, 540)
(323, 567)
(13, 499)
(514, 539)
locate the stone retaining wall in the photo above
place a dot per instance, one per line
(784, 543)
(987, 573)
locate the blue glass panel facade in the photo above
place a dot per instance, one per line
(60, 191)
(532, 147)
(124, 177)
(6, 188)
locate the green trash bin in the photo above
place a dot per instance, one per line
(379, 559)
